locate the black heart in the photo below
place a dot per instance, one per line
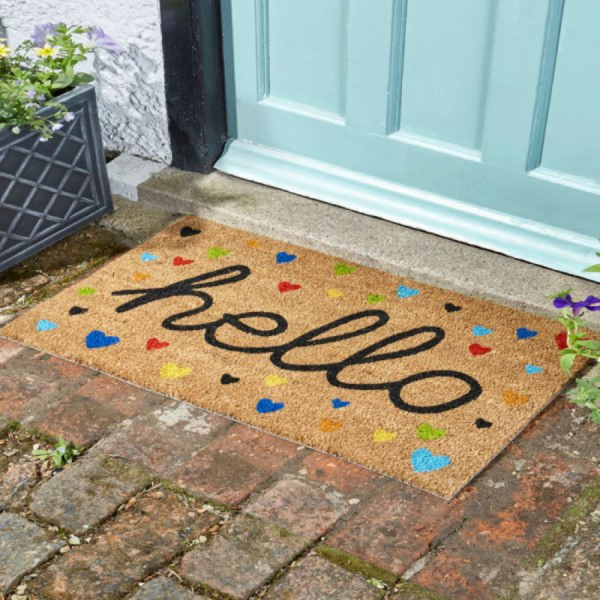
(227, 378)
(188, 231)
(77, 310)
(482, 424)
(451, 307)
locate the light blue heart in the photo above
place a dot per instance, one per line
(266, 405)
(532, 369)
(337, 403)
(423, 461)
(45, 325)
(523, 333)
(284, 257)
(149, 257)
(480, 331)
(406, 292)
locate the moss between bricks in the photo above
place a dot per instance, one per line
(413, 591)
(567, 524)
(356, 565)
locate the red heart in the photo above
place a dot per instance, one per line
(155, 344)
(478, 350)
(561, 340)
(286, 286)
(178, 261)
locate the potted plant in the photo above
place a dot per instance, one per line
(53, 177)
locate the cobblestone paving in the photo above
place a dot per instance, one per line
(167, 502)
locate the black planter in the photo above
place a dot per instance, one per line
(50, 189)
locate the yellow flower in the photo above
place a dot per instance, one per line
(5, 50)
(46, 51)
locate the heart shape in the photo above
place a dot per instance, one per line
(449, 307)
(77, 310)
(533, 369)
(217, 252)
(86, 291)
(524, 334)
(381, 435)
(482, 424)
(427, 432)
(149, 257)
(329, 425)
(174, 371)
(561, 340)
(188, 231)
(253, 244)
(265, 405)
(334, 293)
(155, 344)
(481, 331)
(337, 403)
(138, 276)
(343, 269)
(283, 257)
(275, 380)
(478, 350)
(45, 325)
(375, 298)
(99, 339)
(406, 292)
(424, 461)
(226, 379)
(179, 261)
(512, 398)
(286, 286)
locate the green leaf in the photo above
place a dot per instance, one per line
(591, 344)
(593, 268)
(82, 78)
(63, 80)
(566, 362)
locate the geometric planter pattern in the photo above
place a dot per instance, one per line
(50, 189)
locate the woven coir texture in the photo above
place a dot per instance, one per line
(414, 381)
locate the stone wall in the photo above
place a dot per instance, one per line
(130, 85)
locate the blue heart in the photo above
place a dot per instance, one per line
(532, 369)
(423, 461)
(265, 405)
(337, 403)
(149, 257)
(523, 333)
(406, 292)
(480, 331)
(45, 325)
(284, 257)
(98, 339)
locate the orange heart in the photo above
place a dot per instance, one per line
(512, 398)
(253, 244)
(329, 425)
(139, 276)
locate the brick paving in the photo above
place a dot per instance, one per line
(169, 501)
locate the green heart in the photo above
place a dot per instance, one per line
(375, 298)
(216, 252)
(426, 432)
(86, 291)
(343, 269)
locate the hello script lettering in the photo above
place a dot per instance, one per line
(360, 323)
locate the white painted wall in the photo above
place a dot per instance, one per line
(130, 85)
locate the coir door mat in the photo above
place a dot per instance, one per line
(414, 381)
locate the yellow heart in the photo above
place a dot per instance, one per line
(329, 425)
(139, 276)
(381, 435)
(174, 371)
(334, 293)
(253, 244)
(275, 380)
(513, 399)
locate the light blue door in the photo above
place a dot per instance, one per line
(475, 119)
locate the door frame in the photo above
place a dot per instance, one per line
(192, 42)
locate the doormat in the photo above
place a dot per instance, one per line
(413, 381)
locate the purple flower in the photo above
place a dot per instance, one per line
(32, 105)
(57, 126)
(98, 39)
(41, 98)
(41, 33)
(69, 117)
(590, 303)
(31, 94)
